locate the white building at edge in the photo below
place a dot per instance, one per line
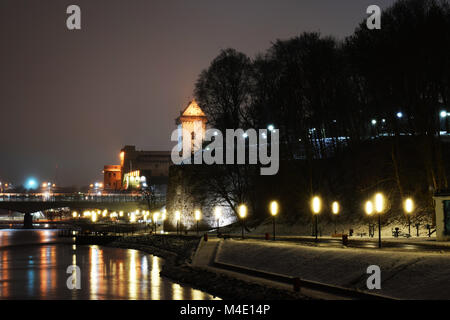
(442, 210)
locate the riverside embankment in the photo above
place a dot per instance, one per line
(404, 275)
(178, 253)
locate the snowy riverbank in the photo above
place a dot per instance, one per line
(404, 275)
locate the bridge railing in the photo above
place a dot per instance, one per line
(40, 197)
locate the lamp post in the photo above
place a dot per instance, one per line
(444, 115)
(218, 214)
(274, 211)
(243, 214)
(369, 210)
(335, 208)
(177, 218)
(197, 215)
(316, 205)
(408, 206)
(155, 220)
(163, 218)
(379, 208)
(133, 217)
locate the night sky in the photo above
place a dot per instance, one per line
(73, 99)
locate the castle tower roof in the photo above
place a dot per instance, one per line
(192, 112)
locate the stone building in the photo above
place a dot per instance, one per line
(144, 168)
(191, 126)
(112, 177)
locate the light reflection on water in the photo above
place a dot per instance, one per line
(33, 267)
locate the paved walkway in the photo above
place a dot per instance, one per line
(204, 259)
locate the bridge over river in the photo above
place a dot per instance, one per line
(30, 203)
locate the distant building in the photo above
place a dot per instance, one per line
(112, 177)
(141, 169)
(144, 168)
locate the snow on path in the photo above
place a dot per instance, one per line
(404, 275)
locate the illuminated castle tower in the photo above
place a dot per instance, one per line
(191, 127)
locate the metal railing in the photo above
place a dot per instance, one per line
(58, 197)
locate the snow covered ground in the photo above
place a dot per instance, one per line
(404, 275)
(327, 228)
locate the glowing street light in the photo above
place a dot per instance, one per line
(94, 217)
(408, 206)
(163, 218)
(155, 218)
(335, 209)
(74, 214)
(379, 208)
(31, 183)
(379, 203)
(177, 218)
(242, 214)
(274, 207)
(197, 216)
(316, 206)
(217, 215)
(369, 210)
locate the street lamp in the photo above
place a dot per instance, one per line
(155, 218)
(243, 214)
(379, 208)
(218, 214)
(408, 206)
(163, 218)
(274, 211)
(316, 206)
(369, 210)
(177, 218)
(444, 115)
(335, 209)
(197, 215)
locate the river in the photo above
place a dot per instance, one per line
(34, 263)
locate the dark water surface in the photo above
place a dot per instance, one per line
(33, 265)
